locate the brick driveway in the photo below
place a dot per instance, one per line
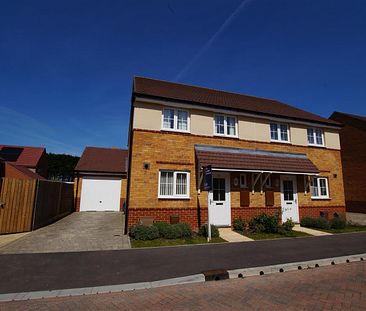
(341, 287)
(85, 231)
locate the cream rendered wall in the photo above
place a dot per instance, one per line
(202, 122)
(332, 139)
(298, 135)
(149, 117)
(253, 129)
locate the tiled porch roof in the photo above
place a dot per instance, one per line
(254, 160)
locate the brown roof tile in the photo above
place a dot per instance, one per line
(256, 160)
(29, 156)
(221, 99)
(103, 160)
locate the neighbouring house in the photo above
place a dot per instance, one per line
(100, 179)
(23, 162)
(194, 150)
(353, 150)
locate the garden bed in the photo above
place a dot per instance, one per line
(173, 242)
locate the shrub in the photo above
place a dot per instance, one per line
(286, 227)
(317, 223)
(185, 229)
(141, 232)
(337, 223)
(264, 223)
(239, 224)
(204, 232)
(162, 227)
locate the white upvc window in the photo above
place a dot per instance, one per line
(280, 132)
(225, 125)
(175, 120)
(315, 137)
(173, 185)
(319, 188)
(268, 183)
(243, 181)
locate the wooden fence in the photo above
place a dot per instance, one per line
(26, 205)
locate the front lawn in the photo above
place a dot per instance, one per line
(266, 236)
(173, 242)
(347, 229)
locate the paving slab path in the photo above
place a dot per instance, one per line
(339, 287)
(231, 236)
(310, 231)
(85, 231)
(51, 271)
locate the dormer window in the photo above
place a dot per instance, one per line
(175, 120)
(225, 126)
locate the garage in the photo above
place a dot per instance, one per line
(100, 180)
(100, 194)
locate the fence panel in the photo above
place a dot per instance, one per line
(53, 201)
(16, 204)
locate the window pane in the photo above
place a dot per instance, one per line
(230, 121)
(311, 136)
(288, 190)
(181, 184)
(219, 189)
(274, 132)
(168, 119)
(323, 187)
(319, 136)
(284, 134)
(182, 120)
(166, 183)
(314, 188)
(219, 125)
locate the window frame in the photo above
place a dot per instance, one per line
(319, 196)
(175, 126)
(175, 196)
(279, 140)
(245, 184)
(315, 144)
(225, 134)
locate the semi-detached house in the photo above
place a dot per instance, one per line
(264, 157)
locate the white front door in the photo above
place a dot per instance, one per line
(290, 209)
(100, 194)
(219, 200)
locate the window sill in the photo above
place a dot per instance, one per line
(280, 141)
(317, 146)
(175, 131)
(317, 198)
(225, 136)
(173, 198)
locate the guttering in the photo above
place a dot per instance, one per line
(198, 106)
(263, 171)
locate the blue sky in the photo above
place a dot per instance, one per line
(66, 67)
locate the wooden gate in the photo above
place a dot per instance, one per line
(16, 204)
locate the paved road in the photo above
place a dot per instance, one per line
(32, 272)
(85, 231)
(341, 287)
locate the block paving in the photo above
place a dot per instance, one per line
(339, 287)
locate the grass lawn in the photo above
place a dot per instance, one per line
(345, 230)
(265, 236)
(166, 242)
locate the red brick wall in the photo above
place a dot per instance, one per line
(353, 144)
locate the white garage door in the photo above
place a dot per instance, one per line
(102, 194)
